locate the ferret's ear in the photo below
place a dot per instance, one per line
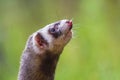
(41, 42)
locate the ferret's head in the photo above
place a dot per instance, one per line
(53, 37)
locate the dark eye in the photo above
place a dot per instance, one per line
(55, 32)
(52, 30)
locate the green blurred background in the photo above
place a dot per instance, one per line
(92, 54)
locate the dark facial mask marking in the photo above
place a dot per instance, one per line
(55, 31)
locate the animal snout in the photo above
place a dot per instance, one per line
(69, 24)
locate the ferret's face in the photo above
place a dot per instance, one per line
(54, 36)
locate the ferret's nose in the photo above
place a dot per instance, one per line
(69, 23)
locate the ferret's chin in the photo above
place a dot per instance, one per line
(68, 34)
(68, 37)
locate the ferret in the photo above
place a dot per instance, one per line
(43, 49)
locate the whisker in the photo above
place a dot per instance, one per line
(75, 34)
(76, 27)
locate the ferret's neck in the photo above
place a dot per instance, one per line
(38, 66)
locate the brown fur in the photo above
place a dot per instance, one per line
(37, 66)
(42, 51)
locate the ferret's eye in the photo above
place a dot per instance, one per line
(52, 30)
(55, 32)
